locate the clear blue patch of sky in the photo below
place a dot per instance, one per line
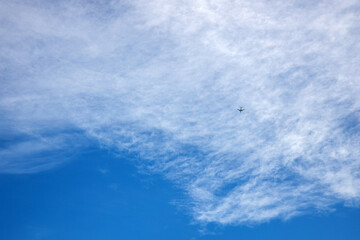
(99, 196)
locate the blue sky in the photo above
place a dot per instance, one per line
(99, 196)
(119, 120)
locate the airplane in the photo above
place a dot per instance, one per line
(240, 109)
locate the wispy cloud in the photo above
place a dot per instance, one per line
(163, 79)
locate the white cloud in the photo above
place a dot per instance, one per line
(31, 154)
(163, 79)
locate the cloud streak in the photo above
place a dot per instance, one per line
(163, 80)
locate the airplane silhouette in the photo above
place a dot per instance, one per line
(240, 109)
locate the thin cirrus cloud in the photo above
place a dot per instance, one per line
(163, 79)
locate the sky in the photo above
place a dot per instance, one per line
(118, 119)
